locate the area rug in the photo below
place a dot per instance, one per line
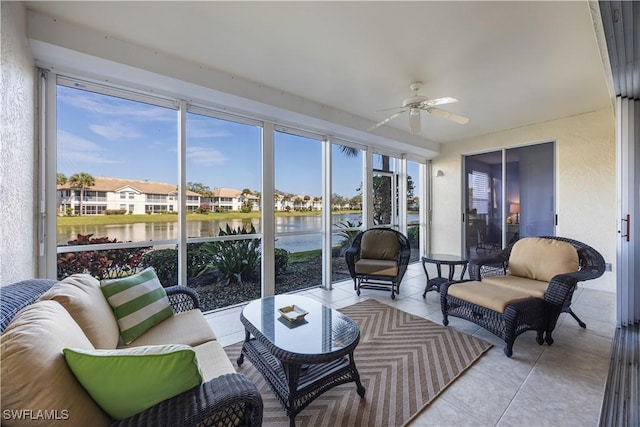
(404, 362)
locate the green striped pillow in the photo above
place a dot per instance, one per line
(138, 301)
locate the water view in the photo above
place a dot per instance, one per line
(157, 231)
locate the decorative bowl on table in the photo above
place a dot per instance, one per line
(293, 313)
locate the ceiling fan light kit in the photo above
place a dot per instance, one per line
(414, 104)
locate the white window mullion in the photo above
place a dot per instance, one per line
(402, 195)
(425, 208)
(48, 141)
(367, 189)
(182, 192)
(268, 211)
(326, 215)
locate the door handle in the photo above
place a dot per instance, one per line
(627, 220)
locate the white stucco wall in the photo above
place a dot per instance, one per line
(17, 148)
(585, 183)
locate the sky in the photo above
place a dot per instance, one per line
(114, 137)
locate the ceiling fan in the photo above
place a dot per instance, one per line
(415, 103)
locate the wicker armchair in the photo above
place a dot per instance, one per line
(531, 308)
(227, 400)
(378, 259)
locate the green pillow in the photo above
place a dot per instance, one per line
(128, 381)
(138, 301)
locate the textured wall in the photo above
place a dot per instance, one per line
(585, 175)
(17, 176)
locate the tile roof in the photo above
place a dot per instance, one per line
(115, 184)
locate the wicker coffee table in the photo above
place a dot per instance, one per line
(300, 359)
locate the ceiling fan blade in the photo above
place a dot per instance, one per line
(457, 118)
(389, 109)
(437, 101)
(387, 120)
(414, 121)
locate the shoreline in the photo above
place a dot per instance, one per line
(64, 221)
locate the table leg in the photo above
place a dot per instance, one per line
(427, 287)
(356, 375)
(240, 359)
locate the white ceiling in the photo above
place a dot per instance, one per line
(509, 63)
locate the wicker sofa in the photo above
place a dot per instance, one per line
(526, 287)
(41, 317)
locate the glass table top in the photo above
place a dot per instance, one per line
(323, 330)
(444, 258)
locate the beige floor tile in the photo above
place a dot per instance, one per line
(443, 414)
(538, 410)
(482, 393)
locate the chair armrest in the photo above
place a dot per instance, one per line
(182, 298)
(352, 255)
(484, 267)
(230, 399)
(404, 256)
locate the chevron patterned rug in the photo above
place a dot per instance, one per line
(404, 362)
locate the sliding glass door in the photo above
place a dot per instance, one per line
(509, 194)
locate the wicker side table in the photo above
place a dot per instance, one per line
(300, 360)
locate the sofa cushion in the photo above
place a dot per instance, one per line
(35, 376)
(139, 302)
(535, 288)
(189, 327)
(81, 296)
(213, 360)
(379, 244)
(127, 381)
(542, 259)
(496, 298)
(377, 267)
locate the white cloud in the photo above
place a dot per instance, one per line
(104, 105)
(115, 131)
(205, 155)
(206, 128)
(75, 149)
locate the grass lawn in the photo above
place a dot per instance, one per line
(304, 256)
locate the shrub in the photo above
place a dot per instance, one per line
(413, 234)
(103, 264)
(115, 211)
(347, 235)
(165, 262)
(281, 260)
(246, 207)
(233, 260)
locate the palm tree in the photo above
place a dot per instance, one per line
(349, 151)
(61, 178)
(81, 180)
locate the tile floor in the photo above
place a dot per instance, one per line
(558, 385)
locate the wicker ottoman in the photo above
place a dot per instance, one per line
(504, 312)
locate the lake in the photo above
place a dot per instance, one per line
(169, 230)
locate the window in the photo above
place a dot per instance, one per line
(223, 161)
(346, 204)
(298, 180)
(95, 126)
(131, 204)
(414, 189)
